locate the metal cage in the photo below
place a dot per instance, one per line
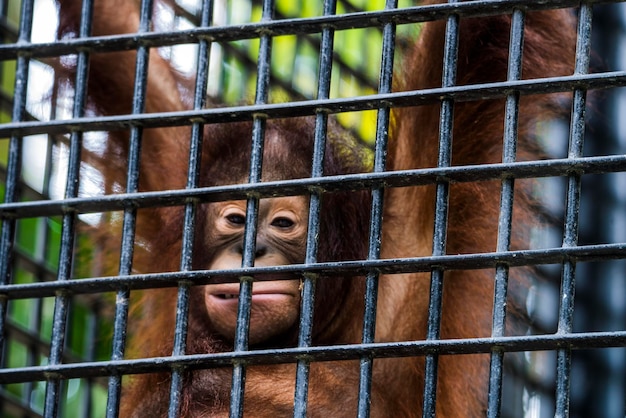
(62, 327)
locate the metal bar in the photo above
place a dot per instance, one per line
(572, 208)
(296, 26)
(249, 250)
(122, 299)
(402, 178)
(313, 227)
(193, 177)
(375, 234)
(11, 193)
(446, 123)
(34, 349)
(522, 343)
(476, 92)
(61, 303)
(581, 253)
(516, 45)
(91, 341)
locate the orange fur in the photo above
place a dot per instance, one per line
(473, 207)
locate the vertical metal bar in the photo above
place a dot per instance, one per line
(256, 160)
(14, 164)
(130, 213)
(570, 233)
(7, 233)
(309, 280)
(90, 342)
(375, 235)
(61, 305)
(33, 353)
(43, 233)
(509, 152)
(441, 211)
(193, 178)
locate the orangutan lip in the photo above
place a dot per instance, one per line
(258, 277)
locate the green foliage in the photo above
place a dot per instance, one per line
(295, 61)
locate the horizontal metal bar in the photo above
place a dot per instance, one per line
(282, 27)
(334, 353)
(465, 93)
(404, 178)
(472, 261)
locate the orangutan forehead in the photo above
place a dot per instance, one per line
(279, 160)
(286, 155)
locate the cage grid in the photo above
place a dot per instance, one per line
(63, 341)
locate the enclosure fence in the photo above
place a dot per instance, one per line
(62, 326)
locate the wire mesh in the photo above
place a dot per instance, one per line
(64, 310)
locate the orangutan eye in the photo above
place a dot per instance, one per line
(283, 223)
(236, 219)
